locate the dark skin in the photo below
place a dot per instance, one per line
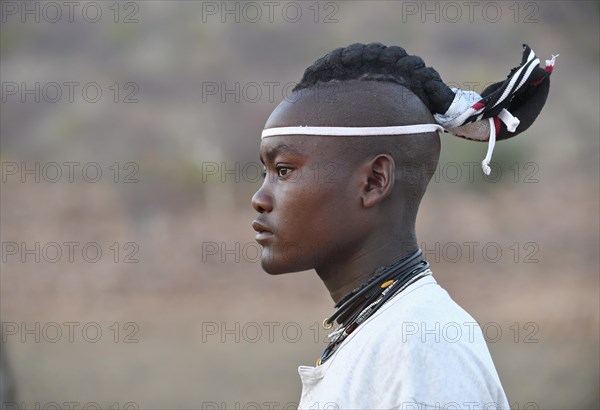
(343, 206)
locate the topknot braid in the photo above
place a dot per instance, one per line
(377, 62)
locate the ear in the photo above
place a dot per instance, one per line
(378, 179)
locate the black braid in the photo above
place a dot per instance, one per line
(377, 62)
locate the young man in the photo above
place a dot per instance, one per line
(347, 160)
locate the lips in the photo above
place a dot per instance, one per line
(264, 232)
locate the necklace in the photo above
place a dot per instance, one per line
(371, 296)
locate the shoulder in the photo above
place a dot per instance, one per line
(423, 323)
(423, 312)
(423, 340)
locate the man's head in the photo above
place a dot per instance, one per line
(328, 199)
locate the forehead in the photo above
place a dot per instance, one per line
(352, 103)
(297, 145)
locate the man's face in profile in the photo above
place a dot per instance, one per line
(326, 201)
(306, 204)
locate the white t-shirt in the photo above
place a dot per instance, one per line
(419, 351)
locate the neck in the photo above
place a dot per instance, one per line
(343, 277)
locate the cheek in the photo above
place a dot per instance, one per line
(299, 206)
(315, 211)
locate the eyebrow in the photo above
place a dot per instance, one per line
(278, 148)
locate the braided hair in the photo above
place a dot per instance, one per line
(511, 105)
(503, 110)
(377, 62)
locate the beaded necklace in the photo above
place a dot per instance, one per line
(368, 298)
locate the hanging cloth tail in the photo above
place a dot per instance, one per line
(504, 109)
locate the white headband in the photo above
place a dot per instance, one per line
(351, 131)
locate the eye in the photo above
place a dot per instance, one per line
(264, 173)
(282, 172)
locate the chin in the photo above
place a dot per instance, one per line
(271, 270)
(275, 264)
(274, 268)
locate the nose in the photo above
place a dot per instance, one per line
(262, 201)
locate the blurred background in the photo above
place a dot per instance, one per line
(129, 147)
